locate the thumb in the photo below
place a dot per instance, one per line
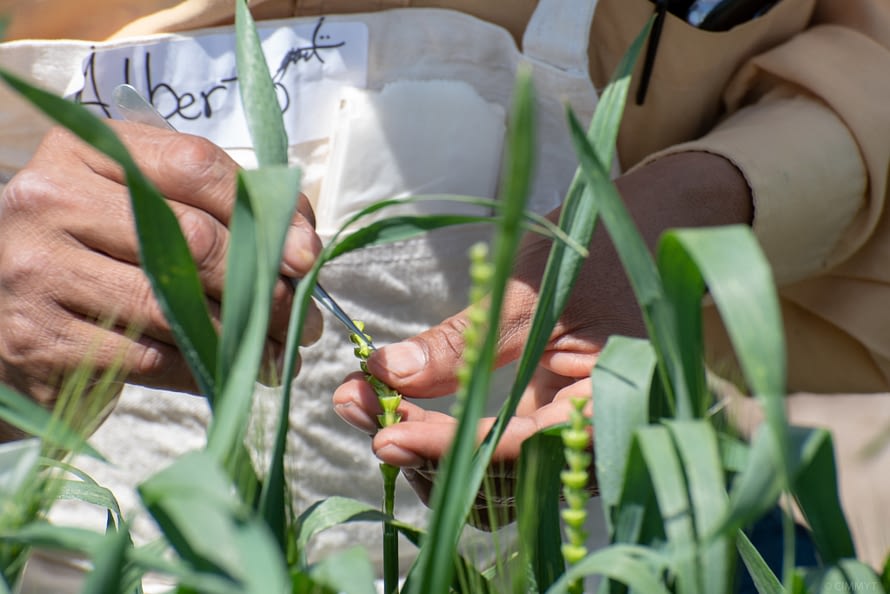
(424, 365)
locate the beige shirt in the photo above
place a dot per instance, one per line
(797, 99)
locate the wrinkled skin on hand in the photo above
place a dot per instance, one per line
(686, 189)
(70, 283)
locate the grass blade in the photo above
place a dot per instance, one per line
(261, 108)
(329, 572)
(696, 442)
(25, 414)
(622, 379)
(815, 488)
(194, 504)
(334, 511)
(537, 502)
(657, 312)
(684, 288)
(666, 472)
(577, 218)
(417, 224)
(640, 568)
(756, 488)
(763, 577)
(740, 282)
(459, 476)
(109, 561)
(266, 202)
(91, 493)
(847, 575)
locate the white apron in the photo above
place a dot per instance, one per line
(430, 119)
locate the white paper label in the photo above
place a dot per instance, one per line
(193, 84)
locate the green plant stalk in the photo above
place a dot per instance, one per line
(389, 402)
(390, 534)
(574, 479)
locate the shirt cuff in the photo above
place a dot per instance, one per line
(806, 175)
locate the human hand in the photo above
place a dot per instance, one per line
(686, 189)
(70, 282)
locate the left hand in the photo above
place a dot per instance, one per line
(686, 189)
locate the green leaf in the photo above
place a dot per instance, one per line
(18, 461)
(358, 577)
(734, 453)
(577, 218)
(740, 282)
(90, 493)
(639, 266)
(57, 538)
(164, 253)
(399, 228)
(815, 488)
(848, 575)
(459, 475)
(537, 502)
(265, 204)
(261, 108)
(155, 558)
(25, 414)
(415, 225)
(684, 288)
(334, 511)
(697, 444)
(763, 577)
(666, 472)
(622, 380)
(756, 489)
(636, 518)
(109, 560)
(640, 568)
(194, 504)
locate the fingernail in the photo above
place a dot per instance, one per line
(357, 417)
(404, 359)
(299, 255)
(398, 456)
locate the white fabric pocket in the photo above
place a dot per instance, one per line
(411, 138)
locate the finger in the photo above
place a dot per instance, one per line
(541, 390)
(194, 171)
(356, 403)
(189, 170)
(101, 220)
(425, 366)
(45, 344)
(426, 437)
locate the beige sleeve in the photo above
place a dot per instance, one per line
(810, 130)
(806, 177)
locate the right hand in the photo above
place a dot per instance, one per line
(71, 289)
